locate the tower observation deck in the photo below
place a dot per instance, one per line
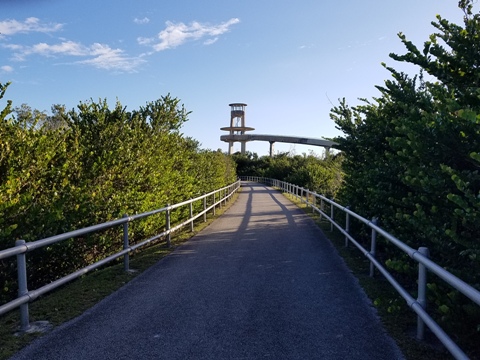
(237, 131)
(237, 126)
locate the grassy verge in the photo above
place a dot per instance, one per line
(76, 297)
(398, 319)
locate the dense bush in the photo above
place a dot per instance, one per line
(412, 158)
(322, 175)
(89, 165)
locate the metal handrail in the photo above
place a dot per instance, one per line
(421, 256)
(22, 248)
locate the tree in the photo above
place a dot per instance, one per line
(29, 118)
(89, 165)
(412, 153)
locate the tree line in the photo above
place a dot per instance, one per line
(322, 174)
(76, 168)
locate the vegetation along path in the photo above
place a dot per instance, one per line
(262, 282)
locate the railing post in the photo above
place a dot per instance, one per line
(422, 292)
(332, 215)
(204, 208)
(347, 225)
(126, 257)
(214, 203)
(191, 216)
(167, 224)
(322, 207)
(22, 286)
(373, 247)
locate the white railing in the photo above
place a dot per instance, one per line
(21, 248)
(317, 203)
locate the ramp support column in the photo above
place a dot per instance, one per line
(271, 148)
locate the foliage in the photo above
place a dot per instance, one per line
(323, 176)
(89, 165)
(411, 154)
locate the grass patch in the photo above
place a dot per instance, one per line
(398, 319)
(76, 297)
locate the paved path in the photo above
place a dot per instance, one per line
(262, 282)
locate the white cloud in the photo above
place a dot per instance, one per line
(176, 34)
(307, 46)
(6, 69)
(145, 20)
(31, 24)
(145, 41)
(210, 41)
(20, 52)
(102, 56)
(97, 55)
(107, 58)
(65, 48)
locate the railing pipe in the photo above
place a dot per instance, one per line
(422, 292)
(204, 208)
(332, 216)
(22, 286)
(191, 216)
(373, 247)
(126, 245)
(322, 207)
(22, 247)
(347, 226)
(214, 204)
(167, 223)
(419, 305)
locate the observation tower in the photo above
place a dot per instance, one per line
(237, 127)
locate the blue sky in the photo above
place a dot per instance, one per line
(290, 61)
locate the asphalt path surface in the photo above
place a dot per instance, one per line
(261, 282)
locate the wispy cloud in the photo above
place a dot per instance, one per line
(145, 20)
(309, 46)
(210, 41)
(176, 34)
(102, 56)
(29, 25)
(6, 69)
(107, 58)
(98, 55)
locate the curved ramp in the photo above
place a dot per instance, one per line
(278, 138)
(261, 282)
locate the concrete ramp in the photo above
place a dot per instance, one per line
(262, 282)
(278, 138)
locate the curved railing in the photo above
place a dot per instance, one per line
(21, 248)
(319, 203)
